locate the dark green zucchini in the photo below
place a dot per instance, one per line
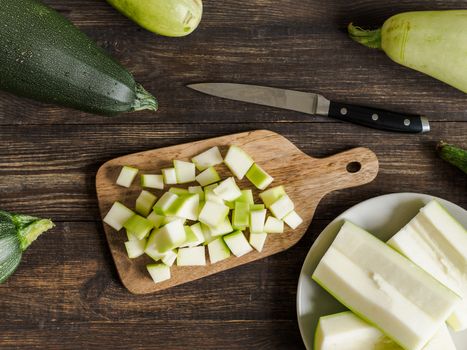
(454, 155)
(17, 232)
(45, 57)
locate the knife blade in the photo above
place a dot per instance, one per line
(316, 104)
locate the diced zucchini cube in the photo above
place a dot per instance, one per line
(185, 206)
(156, 219)
(257, 220)
(168, 237)
(259, 177)
(213, 213)
(257, 240)
(145, 202)
(152, 181)
(192, 239)
(118, 215)
(218, 250)
(207, 234)
(198, 232)
(185, 171)
(273, 194)
(197, 190)
(194, 256)
(228, 190)
(208, 177)
(178, 191)
(131, 236)
(241, 215)
(164, 203)
(237, 243)
(208, 158)
(170, 177)
(246, 197)
(282, 207)
(126, 176)
(273, 225)
(135, 248)
(169, 257)
(138, 226)
(293, 219)
(168, 219)
(159, 272)
(238, 161)
(153, 253)
(209, 194)
(222, 229)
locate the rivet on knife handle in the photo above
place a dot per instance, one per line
(379, 118)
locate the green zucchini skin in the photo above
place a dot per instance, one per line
(454, 155)
(431, 42)
(17, 232)
(45, 57)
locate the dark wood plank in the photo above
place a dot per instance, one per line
(304, 48)
(51, 171)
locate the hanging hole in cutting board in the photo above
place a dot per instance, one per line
(354, 167)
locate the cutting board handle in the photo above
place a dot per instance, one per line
(351, 168)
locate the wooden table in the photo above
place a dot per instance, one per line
(66, 294)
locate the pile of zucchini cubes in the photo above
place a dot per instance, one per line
(216, 213)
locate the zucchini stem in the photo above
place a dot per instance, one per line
(453, 155)
(368, 38)
(31, 232)
(144, 100)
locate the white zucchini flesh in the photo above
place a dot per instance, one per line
(213, 213)
(385, 288)
(145, 202)
(185, 171)
(228, 190)
(218, 250)
(138, 226)
(194, 256)
(346, 331)
(197, 190)
(152, 181)
(168, 237)
(185, 206)
(208, 158)
(126, 176)
(170, 176)
(135, 248)
(209, 194)
(273, 194)
(131, 236)
(159, 272)
(208, 176)
(151, 251)
(273, 225)
(169, 257)
(237, 243)
(437, 243)
(221, 229)
(118, 215)
(292, 219)
(238, 161)
(257, 220)
(164, 203)
(156, 219)
(257, 240)
(259, 177)
(282, 207)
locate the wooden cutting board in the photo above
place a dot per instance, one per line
(306, 179)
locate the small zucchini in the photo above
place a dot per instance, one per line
(431, 42)
(46, 58)
(454, 155)
(17, 232)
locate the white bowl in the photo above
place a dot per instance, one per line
(383, 216)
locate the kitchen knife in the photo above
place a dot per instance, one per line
(316, 104)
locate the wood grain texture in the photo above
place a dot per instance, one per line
(67, 294)
(307, 181)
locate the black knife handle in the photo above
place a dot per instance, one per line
(379, 118)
